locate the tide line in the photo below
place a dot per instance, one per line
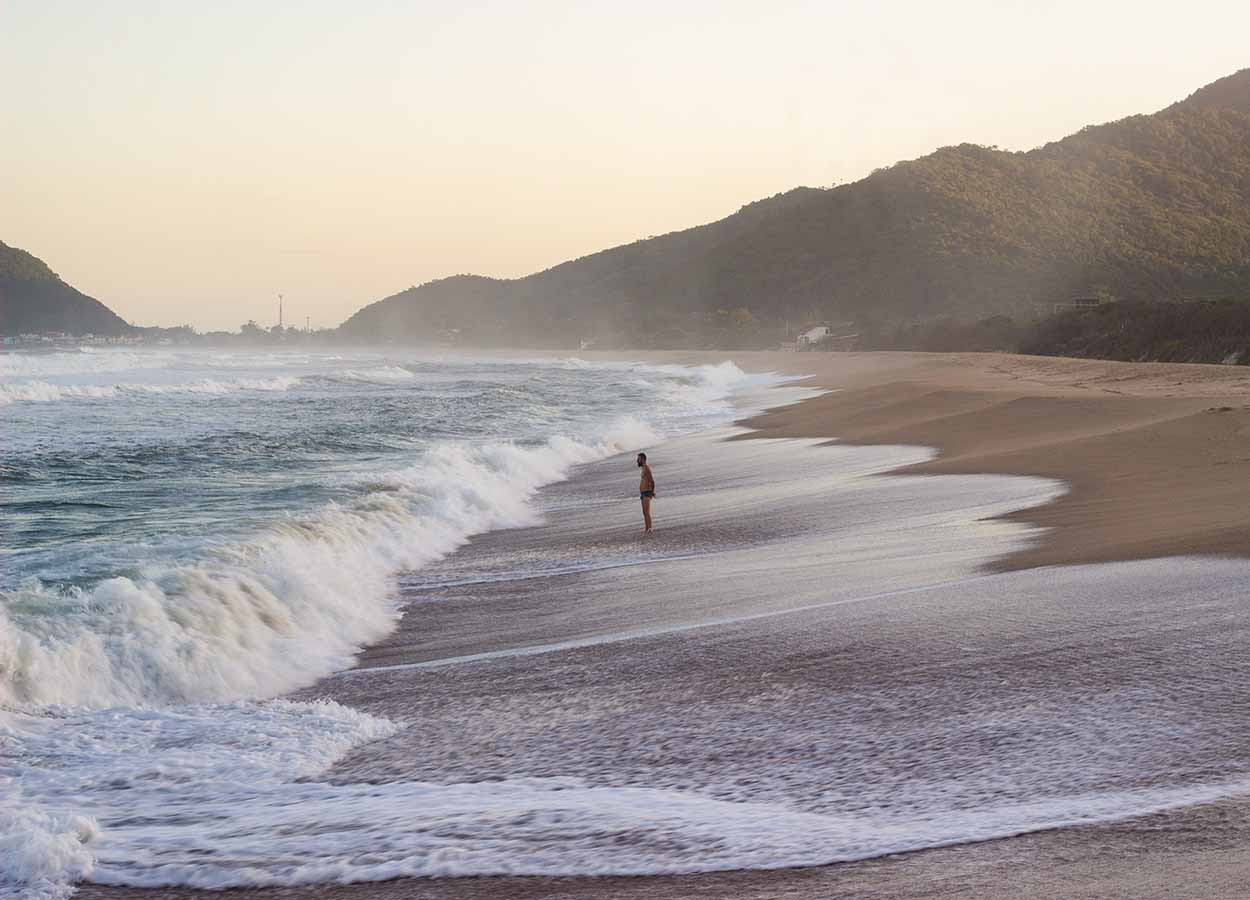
(617, 637)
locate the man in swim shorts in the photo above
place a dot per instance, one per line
(646, 490)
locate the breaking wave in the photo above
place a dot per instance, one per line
(292, 604)
(115, 690)
(46, 392)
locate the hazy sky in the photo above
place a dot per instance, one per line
(187, 161)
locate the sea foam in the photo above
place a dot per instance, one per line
(291, 604)
(254, 620)
(119, 696)
(47, 392)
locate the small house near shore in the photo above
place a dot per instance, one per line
(814, 335)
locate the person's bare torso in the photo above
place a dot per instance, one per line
(647, 483)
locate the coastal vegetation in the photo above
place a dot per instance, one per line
(1202, 331)
(33, 299)
(1196, 331)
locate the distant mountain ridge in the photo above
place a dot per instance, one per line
(1148, 207)
(33, 299)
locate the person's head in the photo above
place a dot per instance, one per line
(642, 460)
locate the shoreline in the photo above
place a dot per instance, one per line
(1202, 845)
(1156, 456)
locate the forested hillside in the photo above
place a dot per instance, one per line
(1200, 331)
(34, 299)
(1150, 207)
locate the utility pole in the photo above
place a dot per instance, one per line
(279, 312)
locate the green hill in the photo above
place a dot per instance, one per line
(1200, 331)
(1149, 207)
(34, 299)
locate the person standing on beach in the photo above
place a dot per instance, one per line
(646, 491)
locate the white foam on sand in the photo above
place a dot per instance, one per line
(171, 806)
(556, 827)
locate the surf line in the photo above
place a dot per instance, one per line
(506, 577)
(578, 643)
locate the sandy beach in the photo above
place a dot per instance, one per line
(1156, 456)
(987, 686)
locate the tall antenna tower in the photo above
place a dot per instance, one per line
(279, 312)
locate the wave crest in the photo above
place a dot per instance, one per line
(46, 392)
(294, 603)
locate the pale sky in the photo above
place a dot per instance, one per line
(185, 162)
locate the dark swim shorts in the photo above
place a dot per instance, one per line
(645, 494)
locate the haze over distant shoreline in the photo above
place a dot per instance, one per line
(338, 158)
(1149, 208)
(1152, 207)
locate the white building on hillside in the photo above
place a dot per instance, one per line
(813, 335)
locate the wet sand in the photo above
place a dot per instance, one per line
(728, 661)
(1157, 457)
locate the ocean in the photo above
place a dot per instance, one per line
(323, 618)
(198, 527)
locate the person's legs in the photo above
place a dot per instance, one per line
(646, 512)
